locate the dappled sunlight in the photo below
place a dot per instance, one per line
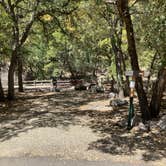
(102, 105)
(82, 113)
(47, 141)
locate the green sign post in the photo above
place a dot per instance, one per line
(131, 113)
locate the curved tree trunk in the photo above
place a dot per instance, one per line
(157, 93)
(125, 15)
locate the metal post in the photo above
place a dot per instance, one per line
(133, 74)
(131, 106)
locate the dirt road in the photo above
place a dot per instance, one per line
(73, 126)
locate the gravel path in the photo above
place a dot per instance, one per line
(71, 128)
(66, 144)
(48, 161)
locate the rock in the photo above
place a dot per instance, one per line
(112, 95)
(118, 102)
(142, 127)
(135, 129)
(95, 88)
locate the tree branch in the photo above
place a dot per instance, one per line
(29, 25)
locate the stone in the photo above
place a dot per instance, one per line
(118, 102)
(112, 95)
(142, 127)
(135, 129)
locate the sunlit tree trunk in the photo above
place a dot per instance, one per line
(125, 15)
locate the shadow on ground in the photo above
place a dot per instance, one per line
(42, 110)
(62, 109)
(118, 141)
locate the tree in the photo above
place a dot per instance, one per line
(116, 29)
(2, 97)
(125, 15)
(17, 11)
(151, 43)
(47, 45)
(158, 89)
(81, 48)
(4, 46)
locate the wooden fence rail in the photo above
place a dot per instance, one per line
(44, 84)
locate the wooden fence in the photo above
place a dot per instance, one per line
(44, 84)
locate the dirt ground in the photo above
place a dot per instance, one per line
(75, 125)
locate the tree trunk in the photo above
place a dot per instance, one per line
(20, 73)
(116, 43)
(115, 38)
(2, 97)
(12, 66)
(157, 93)
(125, 15)
(18, 38)
(151, 70)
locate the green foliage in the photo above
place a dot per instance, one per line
(74, 36)
(150, 31)
(5, 34)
